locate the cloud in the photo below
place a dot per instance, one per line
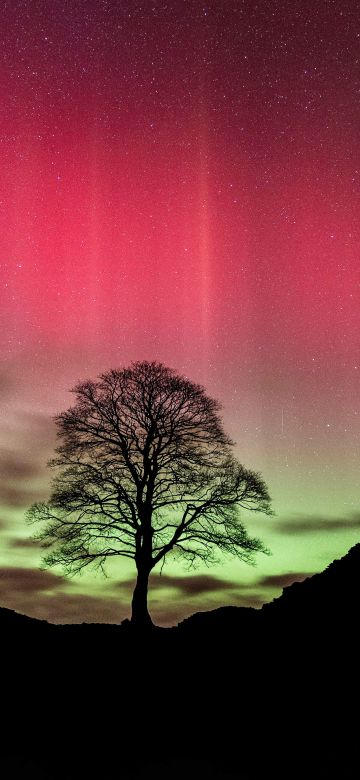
(247, 597)
(77, 608)
(28, 444)
(282, 580)
(308, 524)
(185, 586)
(14, 579)
(40, 431)
(22, 544)
(14, 465)
(197, 585)
(190, 586)
(18, 498)
(44, 595)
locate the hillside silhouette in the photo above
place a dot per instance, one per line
(333, 592)
(231, 693)
(320, 602)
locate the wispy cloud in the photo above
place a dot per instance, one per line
(14, 579)
(23, 459)
(24, 544)
(47, 596)
(308, 524)
(193, 585)
(273, 581)
(14, 465)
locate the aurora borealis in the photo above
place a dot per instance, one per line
(180, 182)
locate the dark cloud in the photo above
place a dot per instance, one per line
(255, 601)
(23, 544)
(77, 608)
(42, 594)
(24, 474)
(190, 586)
(282, 580)
(16, 466)
(307, 524)
(186, 586)
(201, 584)
(14, 497)
(40, 432)
(16, 579)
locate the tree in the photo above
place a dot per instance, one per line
(145, 470)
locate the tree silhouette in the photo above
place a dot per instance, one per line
(145, 470)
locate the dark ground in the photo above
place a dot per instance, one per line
(234, 693)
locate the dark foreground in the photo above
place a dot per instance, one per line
(235, 693)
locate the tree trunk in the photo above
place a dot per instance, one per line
(140, 616)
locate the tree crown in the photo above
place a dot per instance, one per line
(145, 469)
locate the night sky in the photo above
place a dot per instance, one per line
(180, 182)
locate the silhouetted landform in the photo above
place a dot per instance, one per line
(334, 592)
(11, 621)
(231, 693)
(316, 602)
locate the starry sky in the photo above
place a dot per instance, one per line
(180, 182)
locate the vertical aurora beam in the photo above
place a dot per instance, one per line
(92, 283)
(205, 247)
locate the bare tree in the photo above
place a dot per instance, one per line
(145, 470)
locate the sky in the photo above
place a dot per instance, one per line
(180, 182)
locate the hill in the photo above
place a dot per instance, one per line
(317, 604)
(334, 592)
(232, 693)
